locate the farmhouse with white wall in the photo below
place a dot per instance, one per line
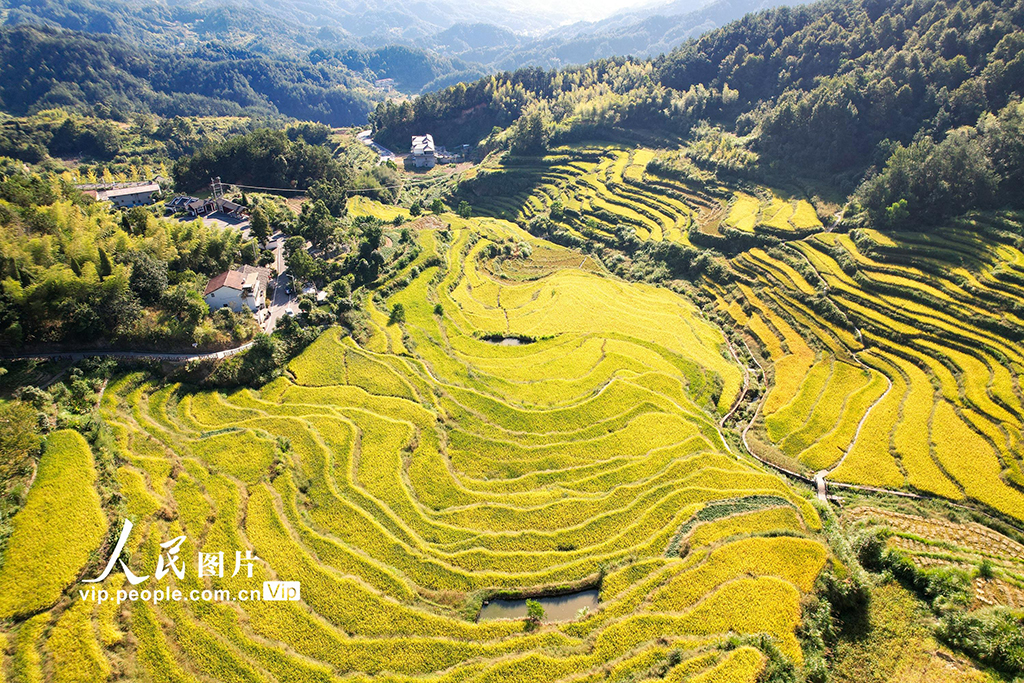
(246, 286)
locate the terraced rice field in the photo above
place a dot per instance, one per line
(771, 214)
(405, 480)
(913, 380)
(935, 542)
(892, 360)
(603, 187)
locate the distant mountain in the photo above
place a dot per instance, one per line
(643, 32)
(352, 23)
(422, 45)
(264, 29)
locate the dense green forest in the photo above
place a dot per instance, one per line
(41, 68)
(265, 158)
(269, 32)
(275, 33)
(423, 46)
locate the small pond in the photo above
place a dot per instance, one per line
(505, 341)
(557, 608)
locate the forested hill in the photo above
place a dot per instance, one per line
(824, 89)
(422, 46)
(839, 77)
(45, 67)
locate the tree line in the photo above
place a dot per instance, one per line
(263, 158)
(973, 167)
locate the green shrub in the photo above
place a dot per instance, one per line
(534, 614)
(994, 638)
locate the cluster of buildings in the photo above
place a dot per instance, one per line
(246, 287)
(127, 195)
(204, 207)
(240, 288)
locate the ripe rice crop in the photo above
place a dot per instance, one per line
(77, 655)
(241, 454)
(742, 665)
(972, 462)
(794, 560)
(870, 460)
(795, 414)
(743, 213)
(781, 270)
(60, 525)
(402, 484)
(833, 444)
(770, 519)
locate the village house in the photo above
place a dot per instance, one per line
(136, 195)
(423, 155)
(246, 286)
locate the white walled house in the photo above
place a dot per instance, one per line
(423, 151)
(138, 195)
(246, 286)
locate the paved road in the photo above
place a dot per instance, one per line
(282, 300)
(822, 487)
(128, 355)
(382, 151)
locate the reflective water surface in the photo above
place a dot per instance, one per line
(506, 341)
(558, 608)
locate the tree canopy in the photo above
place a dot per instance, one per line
(265, 158)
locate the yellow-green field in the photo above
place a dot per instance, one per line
(536, 425)
(404, 480)
(915, 379)
(602, 187)
(891, 360)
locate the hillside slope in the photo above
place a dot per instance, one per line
(42, 68)
(408, 476)
(821, 90)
